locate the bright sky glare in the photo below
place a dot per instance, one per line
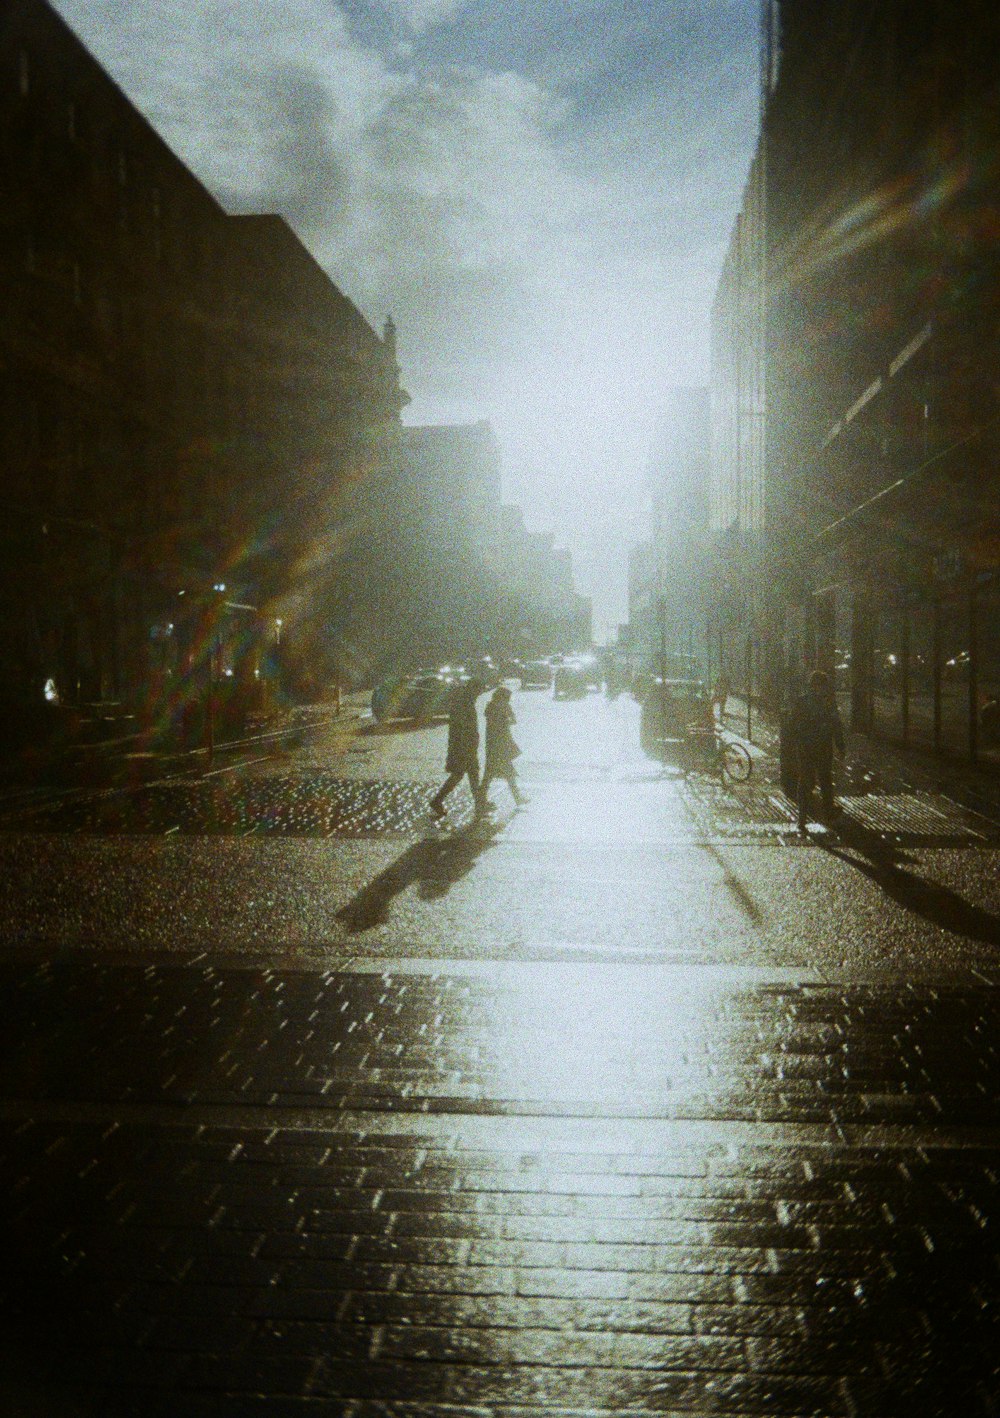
(540, 192)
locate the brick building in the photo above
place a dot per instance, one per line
(855, 393)
(182, 391)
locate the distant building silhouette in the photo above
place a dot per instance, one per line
(669, 595)
(540, 610)
(436, 568)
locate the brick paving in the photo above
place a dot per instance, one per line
(398, 1192)
(328, 805)
(419, 1188)
(319, 805)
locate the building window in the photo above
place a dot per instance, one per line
(23, 73)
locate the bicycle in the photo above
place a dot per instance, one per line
(727, 757)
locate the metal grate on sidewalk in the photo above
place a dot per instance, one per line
(910, 819)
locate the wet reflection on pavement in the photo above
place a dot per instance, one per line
(647, 1107)
(411, 1193)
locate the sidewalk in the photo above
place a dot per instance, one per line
(245, 1180)
(874, 763)
(388, 1193)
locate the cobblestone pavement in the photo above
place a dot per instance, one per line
(402, 1193)
(327, 805)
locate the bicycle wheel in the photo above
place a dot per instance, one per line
(736, 762)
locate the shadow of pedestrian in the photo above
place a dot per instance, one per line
(881, 862)
(736, 887)
(433, 864)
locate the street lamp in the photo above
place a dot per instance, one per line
(661, 598)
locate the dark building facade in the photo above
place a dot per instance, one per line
(182, 392)
(855, 389)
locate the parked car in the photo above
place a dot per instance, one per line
(487, 670)
(570, 682)
(536, 674)
(419, 697)
(669, 708)
(590, 667)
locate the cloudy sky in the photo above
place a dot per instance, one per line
(539, 191)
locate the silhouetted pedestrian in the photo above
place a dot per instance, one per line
(816, 732)
(463, 744)
(501, 750)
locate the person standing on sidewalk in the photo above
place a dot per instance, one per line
(463, 745)
(816, 732)
(501, 750)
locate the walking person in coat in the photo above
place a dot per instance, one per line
(817, 731)
(501, 750)
(463, 744)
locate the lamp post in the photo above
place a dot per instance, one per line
(661, 598)
(212, 664)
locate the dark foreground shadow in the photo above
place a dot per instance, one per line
(433, 864)
(883, 863)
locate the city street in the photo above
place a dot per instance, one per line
(630, 1101)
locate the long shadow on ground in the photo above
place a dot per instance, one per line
(736, 886)
(882, 862)
(434, 865)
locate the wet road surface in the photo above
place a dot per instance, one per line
(629, 1103)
